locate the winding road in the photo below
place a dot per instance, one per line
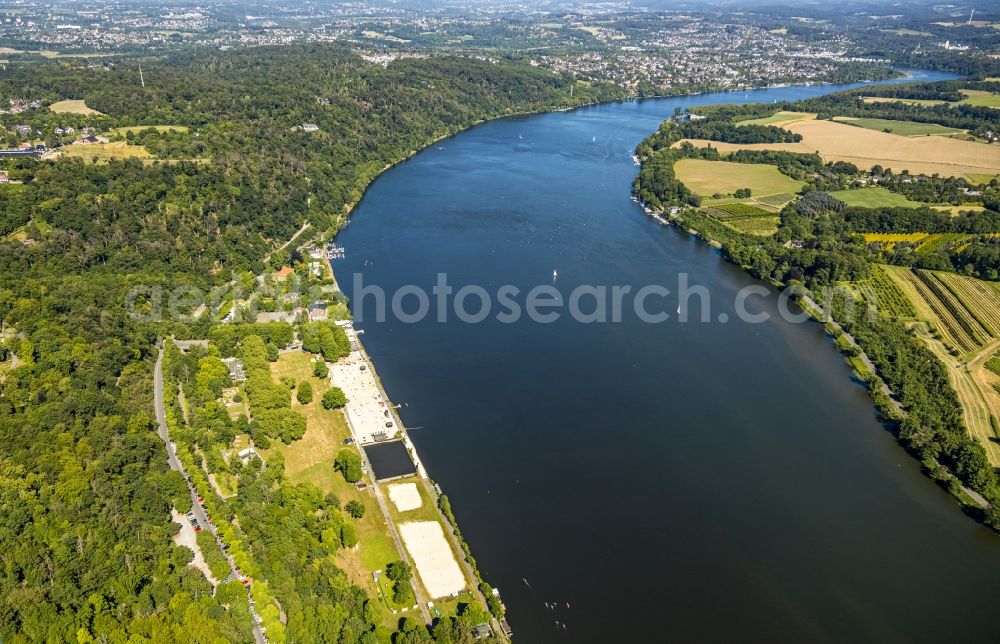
(199, 512)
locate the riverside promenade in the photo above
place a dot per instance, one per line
(368, 410)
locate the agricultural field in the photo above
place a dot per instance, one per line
(706, 178)
(777, 201)
(888, 240)
(770, 203)
(864, 148)
(993, 364)
(745, 218)
(955, 210)
(778, 118)
(123, 131)
(875, 197)
(904, 101)
(926, 243)
(964, 310)
(980, 98)
(902, 128)
(963, 315)
(72, 107)
(938, 242)
(104, 152)
(883, 293)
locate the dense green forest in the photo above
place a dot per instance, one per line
(85, 529)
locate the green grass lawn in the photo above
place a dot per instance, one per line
(874, 198)
(310, 460)
(902, 128)
(706, 178)
(981, 178)
(981, 98)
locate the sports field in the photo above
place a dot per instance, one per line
(874, 198)
(706, 178)
(405, 496)
(902, 128)
(433, 558)
(72, 107)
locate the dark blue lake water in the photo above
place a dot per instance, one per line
(649, 482)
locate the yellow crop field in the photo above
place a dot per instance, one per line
(865, 148)
(72, 107)
(963, 314)
(141, 128)
(779, 118)
(965, 311)
(891, 239)
(103, 152)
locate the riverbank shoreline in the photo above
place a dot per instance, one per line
(342, 223)
(344, 219)
(883, 398)
(461, 549)
(525, 472)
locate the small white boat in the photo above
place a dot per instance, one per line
(594, 140)
(555, 274)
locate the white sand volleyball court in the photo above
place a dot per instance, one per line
(436, 565)
(405, 496)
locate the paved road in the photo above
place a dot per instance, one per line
(175, 464)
